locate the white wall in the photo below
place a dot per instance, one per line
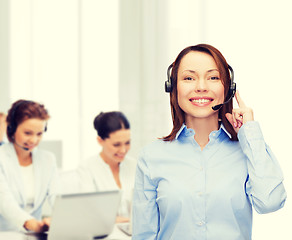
(4, 56)
(143, 60)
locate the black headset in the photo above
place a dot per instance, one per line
(231, 90)
(12, 126)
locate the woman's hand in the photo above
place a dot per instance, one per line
(239, 115)
(37, 226)
(120, 219)
(47, 221)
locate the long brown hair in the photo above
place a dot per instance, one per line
(178, 115)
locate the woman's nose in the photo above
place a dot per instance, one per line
(34, 139)
(123, 149)
(201, 85)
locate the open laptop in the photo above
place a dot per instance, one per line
(84, 216)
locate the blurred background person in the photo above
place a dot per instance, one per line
(2, 127)
(27, 175)
(111, 169)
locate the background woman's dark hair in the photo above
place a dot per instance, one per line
(178, 116)
(107, 122)
(22, 110)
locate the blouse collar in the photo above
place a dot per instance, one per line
(185, 131)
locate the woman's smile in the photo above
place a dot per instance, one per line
(201, 101)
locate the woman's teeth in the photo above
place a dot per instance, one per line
(201, 100)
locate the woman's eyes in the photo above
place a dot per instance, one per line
(214, 78)
(119, 144)
(30, 133)
(209, 78)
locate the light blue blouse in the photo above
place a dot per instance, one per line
(182, 192)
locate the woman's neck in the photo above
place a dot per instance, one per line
(24, 157)
(112, 164)
(115, 168)
(203, 127)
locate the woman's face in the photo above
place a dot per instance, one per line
(29, 133)
(199, 86)
(116, 146)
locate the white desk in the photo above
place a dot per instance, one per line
(115, 235)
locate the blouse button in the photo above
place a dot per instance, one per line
(201, 223)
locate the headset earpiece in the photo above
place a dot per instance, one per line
(11, 127)
(168, 86)
(232, 86)
(168, 83)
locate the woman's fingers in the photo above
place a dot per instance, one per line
(239, 100)
(235, 120)
(240, 115)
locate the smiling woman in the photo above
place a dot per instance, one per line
(27, 175)
(203, 179)
(111, 169)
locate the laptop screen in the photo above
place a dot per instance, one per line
(84, 215)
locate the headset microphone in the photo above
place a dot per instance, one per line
(217, 107)
(231, 90)
(24, 148)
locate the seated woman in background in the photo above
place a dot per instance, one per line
(2, 127)
(111, 169)
(27, 175)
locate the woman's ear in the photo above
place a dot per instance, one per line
(99, 140)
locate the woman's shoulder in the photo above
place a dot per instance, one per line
(91, 163)
(158, 144)
(93, 160)
(7, 151)
(44, 152)
(157, 148)
(5, 146)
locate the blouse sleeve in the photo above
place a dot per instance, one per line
(145, 210)
(264, 186)
(9, 208)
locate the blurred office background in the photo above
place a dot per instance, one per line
(80, 57)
